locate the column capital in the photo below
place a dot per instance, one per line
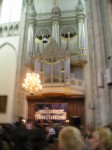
(80, 17)
(31, 21)
(55, 19)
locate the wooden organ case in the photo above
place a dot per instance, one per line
(75, 105)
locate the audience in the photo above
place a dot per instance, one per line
(50, 133)
(88, 135)
(70, 139)
(33, 136)
(101, 139)
(89, 131)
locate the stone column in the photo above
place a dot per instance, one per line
(99, 44)
(30, 40)
(80, 18)
(31, 29)
(107, 39)
(19, 96)
(90, 69)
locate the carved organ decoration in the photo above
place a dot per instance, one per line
(56, 12)
(68, 33)
(56, 45)
(43, 34)
(53, 64)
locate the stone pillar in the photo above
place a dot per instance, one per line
(99, 43)
(90, 72)
(107, 39)
(30, 40)
(19, 96)
(80, 18)
(31, 29)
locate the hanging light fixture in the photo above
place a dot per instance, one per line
(32, 83)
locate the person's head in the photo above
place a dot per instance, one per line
(101, 138)
(70, 139)
(30, 124)
(89, 128)
(20, 118)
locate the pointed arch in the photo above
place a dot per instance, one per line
(7, 43)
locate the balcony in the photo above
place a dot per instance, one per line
(78, 59)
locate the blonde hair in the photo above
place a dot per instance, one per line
(70, 138)
(105, 135)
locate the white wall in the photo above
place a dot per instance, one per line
(45, 6)
(10, 13)
(8, 64)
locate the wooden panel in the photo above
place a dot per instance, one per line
(3, 103)
(75, 105)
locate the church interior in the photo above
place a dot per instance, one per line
(56, 54)
(55, 74)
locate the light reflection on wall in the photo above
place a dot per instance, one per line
(11, 11)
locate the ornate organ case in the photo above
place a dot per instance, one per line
(56, 50)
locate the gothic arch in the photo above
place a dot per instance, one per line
(7, 43)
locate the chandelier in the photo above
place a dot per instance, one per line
(32, 83)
